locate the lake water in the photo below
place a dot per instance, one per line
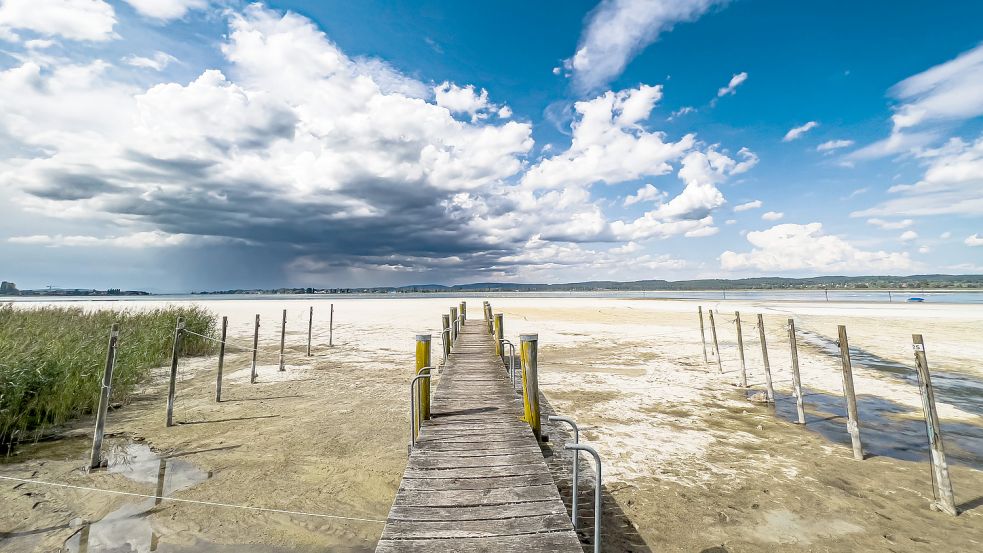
(873, 296)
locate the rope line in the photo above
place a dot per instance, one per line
(209, 503)
(235, 345)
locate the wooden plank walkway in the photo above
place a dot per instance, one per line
(477, 480)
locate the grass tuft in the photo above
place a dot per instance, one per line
(52, 358)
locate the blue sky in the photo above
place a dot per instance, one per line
(194, 144)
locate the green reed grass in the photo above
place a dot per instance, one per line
(52, 359)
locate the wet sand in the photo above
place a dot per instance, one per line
(690, 465)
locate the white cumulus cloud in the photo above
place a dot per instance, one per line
(647, 193)
(617, 30)
(165, 10)
(797, 132)
(157, 62)
(831, 145)
(772, 215)
(746, 206)
(974, 240)
(71, 19)
(890, 225)
(791, 247)
(732, 85)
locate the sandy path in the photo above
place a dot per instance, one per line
(690, 465)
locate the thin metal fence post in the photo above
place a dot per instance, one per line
(796, 380)
(107, 382)
(716, 345)
(252, 375)
(310, 330)
(770, 389)
(283, 338)
(703, 337)
(221, 360)
(853, 424)
(740, 349)
(945, 500)
(175, 352)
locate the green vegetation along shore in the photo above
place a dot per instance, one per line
(52, 359)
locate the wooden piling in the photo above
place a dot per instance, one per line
(331, 328)
(529, 349)
(445, 321)
(703, 337)
(716, 345)
(464, 311)
(252, 375)
(499, 335)
(310, 330)
(853, 422)
(221, 360)
(740, 349)
(423, 360)
(945, 500)
(454, 323)
(107, 382)
(175, 352)
(283, 338)
(770, 389)
(796, 380)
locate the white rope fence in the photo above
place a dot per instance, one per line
(195, 501)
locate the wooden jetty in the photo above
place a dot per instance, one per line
(476, 480)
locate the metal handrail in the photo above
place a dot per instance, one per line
(413, 386)
(511, 360)
(576, 463)
(597, 491)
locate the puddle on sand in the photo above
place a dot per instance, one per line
(955, 389)
(128, 528)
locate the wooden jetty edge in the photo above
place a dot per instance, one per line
(476, 480)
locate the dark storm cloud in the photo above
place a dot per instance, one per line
(60, 185)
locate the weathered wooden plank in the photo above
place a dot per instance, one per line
(484, 472)
(463, 498)
(551, 542)
(494, 460)
(476, 528)
(477, 512)
(476, 483)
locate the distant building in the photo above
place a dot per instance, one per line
(8, 288)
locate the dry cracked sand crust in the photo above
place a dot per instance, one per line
(690, 464)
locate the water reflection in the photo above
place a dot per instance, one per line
(128, 529)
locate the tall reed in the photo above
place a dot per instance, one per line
(52, 358)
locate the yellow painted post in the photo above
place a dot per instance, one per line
(529, 347)
(423, 360)
(499, 334)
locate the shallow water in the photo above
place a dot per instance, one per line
(128, 528)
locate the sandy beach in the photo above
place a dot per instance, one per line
(690, 464)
